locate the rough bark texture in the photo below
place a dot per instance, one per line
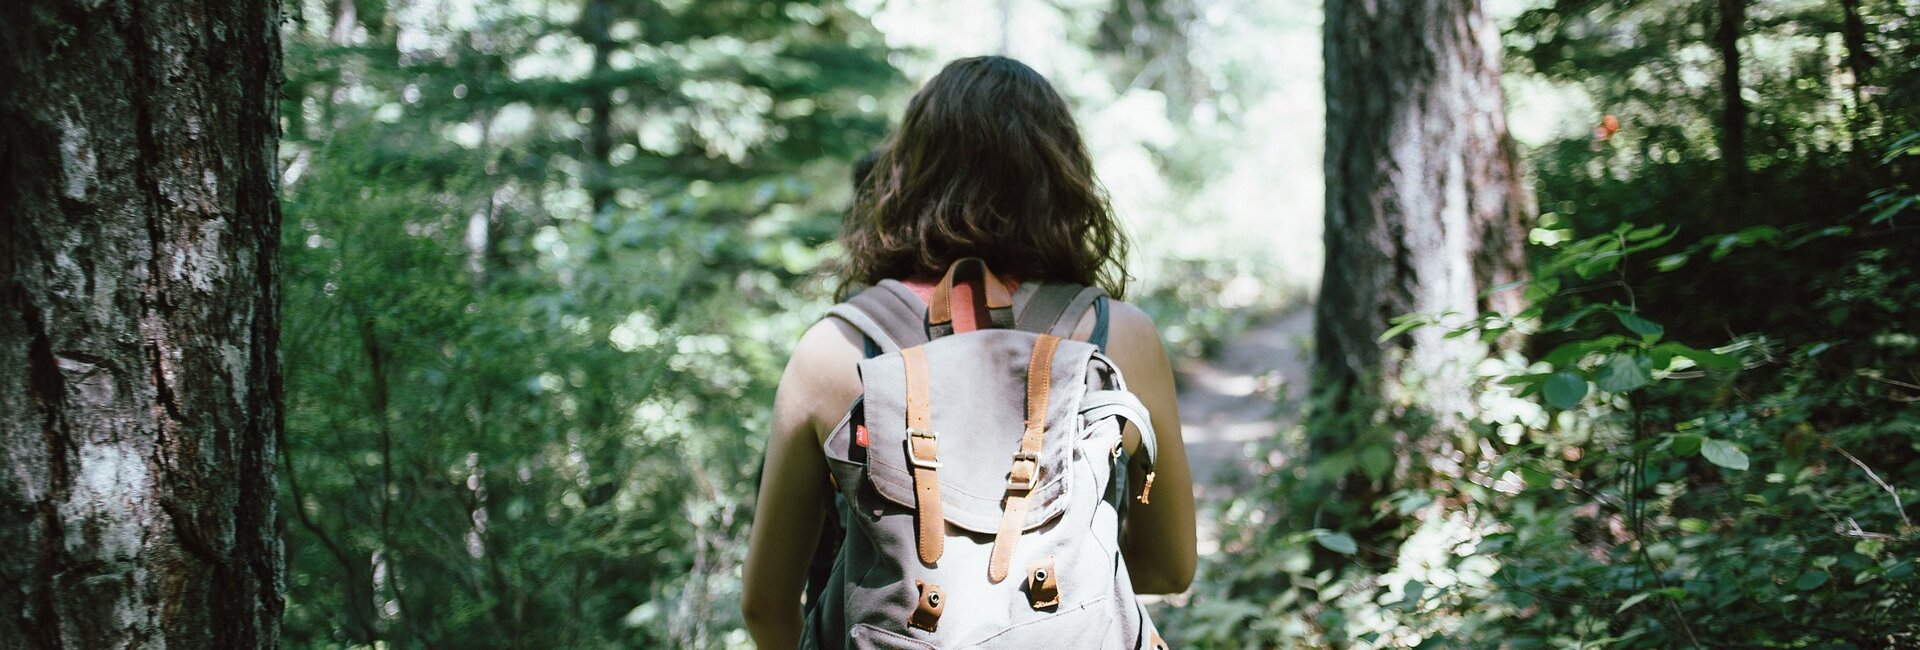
(139, 366)
(1425, 203)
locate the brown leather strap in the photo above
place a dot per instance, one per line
(1026, 462)
(927, 609)
(923, 455)
(940, 309)
(1043, 584)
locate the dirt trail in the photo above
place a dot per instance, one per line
(1235, 398)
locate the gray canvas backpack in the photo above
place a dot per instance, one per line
(981, 478)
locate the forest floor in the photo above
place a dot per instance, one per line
(1247, 392)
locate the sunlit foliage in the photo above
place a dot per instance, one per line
(1709, 439)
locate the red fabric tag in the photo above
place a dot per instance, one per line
(965, 319)
(860, 434)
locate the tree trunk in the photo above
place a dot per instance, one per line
(1425, 209)
(1854, 33)
(1733, 113)
(596, 23)
(1860, 62)
(140, 386)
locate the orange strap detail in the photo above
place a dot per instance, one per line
(940, 309)
(1043, 584)
(928, 607)
(923, 455)
(1026, 462)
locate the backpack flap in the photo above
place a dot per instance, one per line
(977, 399)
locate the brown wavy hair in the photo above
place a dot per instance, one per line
(988, 163)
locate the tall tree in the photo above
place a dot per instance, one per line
(1425, 207)
(1733, 111)
(141, 397)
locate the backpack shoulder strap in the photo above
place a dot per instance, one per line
(1057, 309)
(888, 313)
(1047, 302)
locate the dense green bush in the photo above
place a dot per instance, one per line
(1622, 487)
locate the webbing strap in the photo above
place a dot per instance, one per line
(1099, 336)
(1048, 303)
(1125, 405)
(1026, 462)
(923, 455)
(888, 312)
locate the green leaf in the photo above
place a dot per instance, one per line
(1375, 461)
(1570, 319)
(1530, 378)
(1649, 331)
(1540, 290)
(1702, 358)
(1671, 593)
(1724, 454)
(1687, 444)
(1565, 389)
(1670, 262)
(1402, 324)
(1643, 234)
(1811, 579)
(1341, 543)
(1624, 372)
(1517, 284)
(1598, 263)
(1536, 477)
(1571, 353)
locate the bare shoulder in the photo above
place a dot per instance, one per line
(828, 340)
(1133, 340)
(1128, 323)
(821, 378)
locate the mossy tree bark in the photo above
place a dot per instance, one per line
(1425, 209)
(140, 385)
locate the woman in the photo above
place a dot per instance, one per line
(987, 163)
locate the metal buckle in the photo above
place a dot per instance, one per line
(914, 458)
(1032, 460)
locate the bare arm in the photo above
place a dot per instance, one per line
(793, 484)
(1159, 538)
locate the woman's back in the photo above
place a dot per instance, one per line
(986, 165)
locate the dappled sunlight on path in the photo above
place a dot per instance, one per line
(1235, 398)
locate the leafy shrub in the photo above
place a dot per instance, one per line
(1626, 485)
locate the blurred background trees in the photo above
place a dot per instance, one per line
(544, 260)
